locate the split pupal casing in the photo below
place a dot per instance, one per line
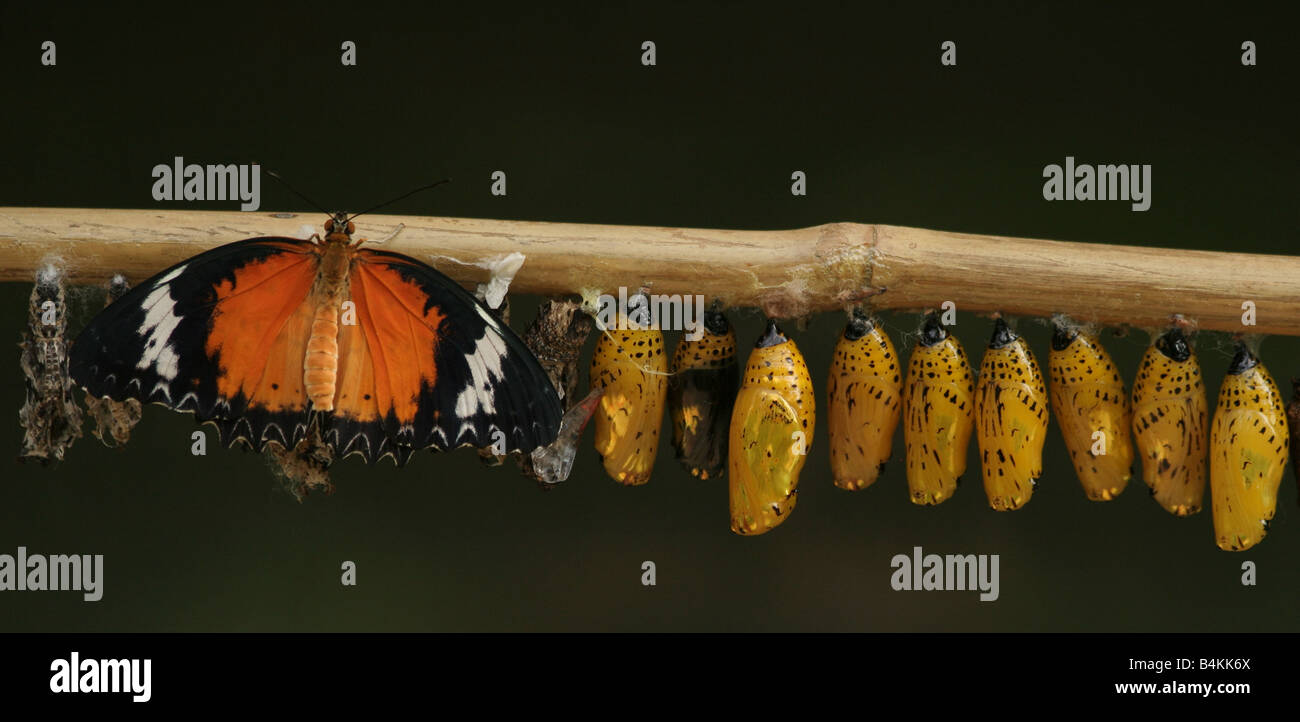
(50, 417)
(556, 337)
(701, 394)
(1011, 408)
(864, 392)
(1249, 441)
(551, 464)
(1170, 420)
(114, 420)
(771, 434)
(633, 370)
(939, 413)
(1093, 410)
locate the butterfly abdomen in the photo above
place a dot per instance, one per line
(864, 401)
(1093, 411)
(320, 364)
(939, 405)
(771, 433)
(1169, 421)
(1011, 403)
(1249, 443)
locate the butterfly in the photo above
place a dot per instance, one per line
(273, 338)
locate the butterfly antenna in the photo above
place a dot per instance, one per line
(294, 191)
(401, 197)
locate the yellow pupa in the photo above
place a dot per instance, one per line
(633, 369)
(1011, 411)
(938, 412)
(864, 393)
(771, 433)
(1170, 416)
(1249, 441)
(1092, 409)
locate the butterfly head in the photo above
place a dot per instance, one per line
(339, 229)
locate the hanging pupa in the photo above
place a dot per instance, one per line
(864, 394)
(629, 363)
(556, 337)
(1248, 452)
(1293, 423)
(939, 408)
(771, 433)
(1170, 415)
(1092, 409)
(1011, 408)
(50, 416)
(701, 394)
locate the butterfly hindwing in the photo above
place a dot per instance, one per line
(446, 372)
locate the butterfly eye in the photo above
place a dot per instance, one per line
(329, 226)
(351, 228)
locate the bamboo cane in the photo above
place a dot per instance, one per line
(785, 273)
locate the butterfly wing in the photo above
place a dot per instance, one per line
(444, 372)
(765, 460)
(221, 335)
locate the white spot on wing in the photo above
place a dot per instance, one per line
(485, 370)
(159, 322)
(491, 320)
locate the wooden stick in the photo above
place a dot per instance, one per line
(785, 273)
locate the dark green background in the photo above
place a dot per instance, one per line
(557, 98)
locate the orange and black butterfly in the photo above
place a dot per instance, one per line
(387, 354)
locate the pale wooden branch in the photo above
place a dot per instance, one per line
(785, 273)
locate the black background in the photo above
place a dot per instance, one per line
(742, 95)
